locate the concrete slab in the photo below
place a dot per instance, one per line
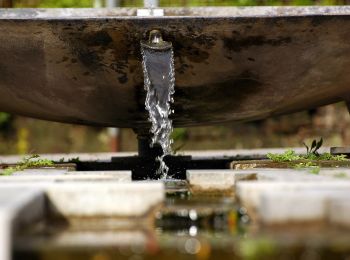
(249, 192)
(289, 175)
(337, 173)
(104, 199)
(115, 176)
(40, 172)
(339, 211)
(211, 180)
(279, 175)
(285, 207)
(120, 175)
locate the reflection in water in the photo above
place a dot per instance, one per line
(186, 227)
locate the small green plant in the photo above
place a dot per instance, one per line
(309, 160)
(31, 161)
(313, 149)
(287, 156)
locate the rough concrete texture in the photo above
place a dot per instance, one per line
(104, 199)
(279, 175)
(339, 210)
(249, 192)
(278, 207)
(211, 180)
(281, 197)
(339, 173)
(40, 172)
(115, 176)
(22, 199)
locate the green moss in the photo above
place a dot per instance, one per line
(287, 156)
(290, 156)
(309, 160)
(32, 161)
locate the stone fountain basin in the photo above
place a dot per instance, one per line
(232, 64)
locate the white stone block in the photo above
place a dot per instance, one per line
(40, 172)
(289, 175)
(104, 199)
(339, 211)
(249, 193)
(114, 176)
(337, 173)
(211, 180)
(298, 206)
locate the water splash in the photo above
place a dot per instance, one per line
(159, 82)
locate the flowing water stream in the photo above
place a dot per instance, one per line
(159, 82)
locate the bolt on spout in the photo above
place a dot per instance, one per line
(156, 42)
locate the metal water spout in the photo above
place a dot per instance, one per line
(155, 41)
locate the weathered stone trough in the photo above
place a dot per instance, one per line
(84, 65)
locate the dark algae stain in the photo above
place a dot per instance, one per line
(190, 100)
(100, 38)
(236, 44)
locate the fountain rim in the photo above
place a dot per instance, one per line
(171, 12)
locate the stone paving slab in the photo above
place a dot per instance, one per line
(22, 203)
(211, 180)
(285, 207)
(40, 172)
(270, 174)
(104, 199)
(68, 176)
(339, 173)
(339, 211)
(250, 192)
(97, 199)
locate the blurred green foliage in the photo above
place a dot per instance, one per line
(4, 118)
(66, 3)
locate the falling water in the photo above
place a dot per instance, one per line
(159, 82)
